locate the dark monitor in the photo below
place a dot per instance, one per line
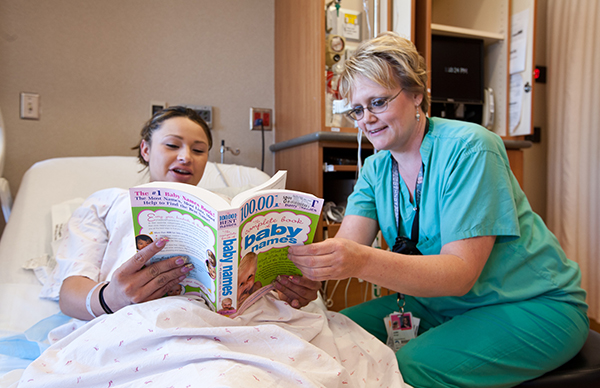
(456, 69)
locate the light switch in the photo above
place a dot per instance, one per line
(30, 106)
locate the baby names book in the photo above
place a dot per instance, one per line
(237, 247)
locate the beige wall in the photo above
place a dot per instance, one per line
(97, 65)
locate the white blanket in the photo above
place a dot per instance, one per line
(177, 342)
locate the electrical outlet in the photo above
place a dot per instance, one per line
(30, 106)
(264, 114)
(156, 106)
(205, 111)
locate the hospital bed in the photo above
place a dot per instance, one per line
(312, 347)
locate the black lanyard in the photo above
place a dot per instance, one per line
(414, 235)
(418, 187)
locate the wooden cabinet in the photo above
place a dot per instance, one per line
(322, 163)
(303, 142)
(299, 70)
(307, 148)
(489, 20)
(300, 78)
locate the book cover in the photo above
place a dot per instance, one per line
(237, 247)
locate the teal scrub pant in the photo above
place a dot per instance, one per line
(492, 346)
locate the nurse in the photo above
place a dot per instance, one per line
(498, 301)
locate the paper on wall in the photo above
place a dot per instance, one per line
(518, 41)
(515, 104)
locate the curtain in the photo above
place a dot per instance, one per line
(573, 103)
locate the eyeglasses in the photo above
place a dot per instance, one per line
(377, 105)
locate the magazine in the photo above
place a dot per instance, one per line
(237, 247)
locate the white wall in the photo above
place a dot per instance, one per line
(97, 65)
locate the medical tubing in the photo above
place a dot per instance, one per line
(359, 151)
(102, 301)
(227, 183)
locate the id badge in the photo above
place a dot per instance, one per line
(401, 328)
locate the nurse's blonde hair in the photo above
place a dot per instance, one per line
(390, 61)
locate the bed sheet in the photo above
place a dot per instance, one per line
(177, 342)
(172, 341)
(29, 234)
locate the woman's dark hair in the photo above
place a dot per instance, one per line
(168, 113)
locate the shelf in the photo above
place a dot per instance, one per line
(488, 37)
(318, 136)
(339, 167)
(332, 228)
(352, 130)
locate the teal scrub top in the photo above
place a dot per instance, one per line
(469, 190)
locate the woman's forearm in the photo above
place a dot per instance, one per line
(450, 273)
(73, 295)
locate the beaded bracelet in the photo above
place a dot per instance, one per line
(88, 300)
(102, 301)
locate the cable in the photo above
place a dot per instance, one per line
(329, 301)
(366, 9)
(258, 122)
(375, 17)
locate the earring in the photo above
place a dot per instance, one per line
(418, 115)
